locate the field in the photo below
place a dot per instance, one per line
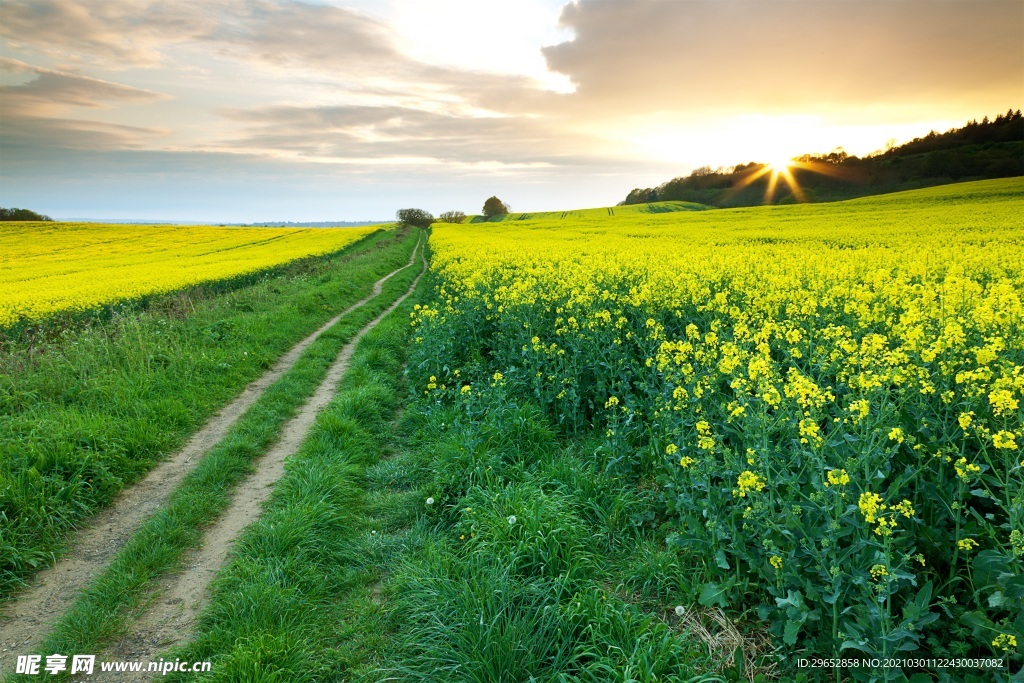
(46, 268)
(639, 444)
(820, 404)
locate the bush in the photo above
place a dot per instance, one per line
(418, 218)
(452, 217)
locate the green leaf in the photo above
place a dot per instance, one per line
(720, 559)
(792, 629)
(713, 594)
(1013, 586)
(792, 599)
(979, 623)
(997, 599)
(924, 596)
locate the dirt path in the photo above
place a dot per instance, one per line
(28, 618)
(169, 619)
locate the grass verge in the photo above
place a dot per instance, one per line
(89, 412)
(528, 563)
(280, 608)
(106, 608)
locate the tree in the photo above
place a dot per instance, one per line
(418, 218)
(495, 207)
(452, 217)
(21, 215)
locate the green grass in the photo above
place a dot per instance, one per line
(527, 568)
(86, 412)
(109, 604)
(283, 608)
(350, 575)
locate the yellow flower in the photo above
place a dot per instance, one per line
(837, 478)
(964, 470)
(775, 561)
(686, 461)
(808, 428)
(879, 571)
(896, 434)
(748, 481)
(967, 544)
(498, 377)
(870, 504)
(1004, 439)
(611, 402)
(671, 449)
(1002, 402)
(466, 389)
(965, 419)
(904, 508)
(1005, 642)
(885, 526)
(859, 410)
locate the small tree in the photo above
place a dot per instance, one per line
(418, 218)
(495, 207)
(452, 217)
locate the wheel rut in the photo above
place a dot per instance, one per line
(27, 618)
(170, 618)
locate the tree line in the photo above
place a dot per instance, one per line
(990, 148)
(15, 214)
(423, 219)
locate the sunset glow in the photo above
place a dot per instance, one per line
(227, 111)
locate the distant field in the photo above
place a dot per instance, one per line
(601, 212)
(53, 267)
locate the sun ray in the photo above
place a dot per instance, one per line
(773, 180)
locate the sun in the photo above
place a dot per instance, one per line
(780, 164)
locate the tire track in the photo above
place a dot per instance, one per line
(170, 619)
(27, 618)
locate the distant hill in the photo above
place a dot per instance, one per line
(977, 151)
(647, 207)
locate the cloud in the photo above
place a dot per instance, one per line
(52, 91)
(308, 36)
(639, 56)
(34, 113)
(114, 33)
(340, 133)
(122, 34)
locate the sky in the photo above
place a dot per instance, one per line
(265, 110)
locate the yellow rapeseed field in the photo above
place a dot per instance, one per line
(50, 267)
(827, 398)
